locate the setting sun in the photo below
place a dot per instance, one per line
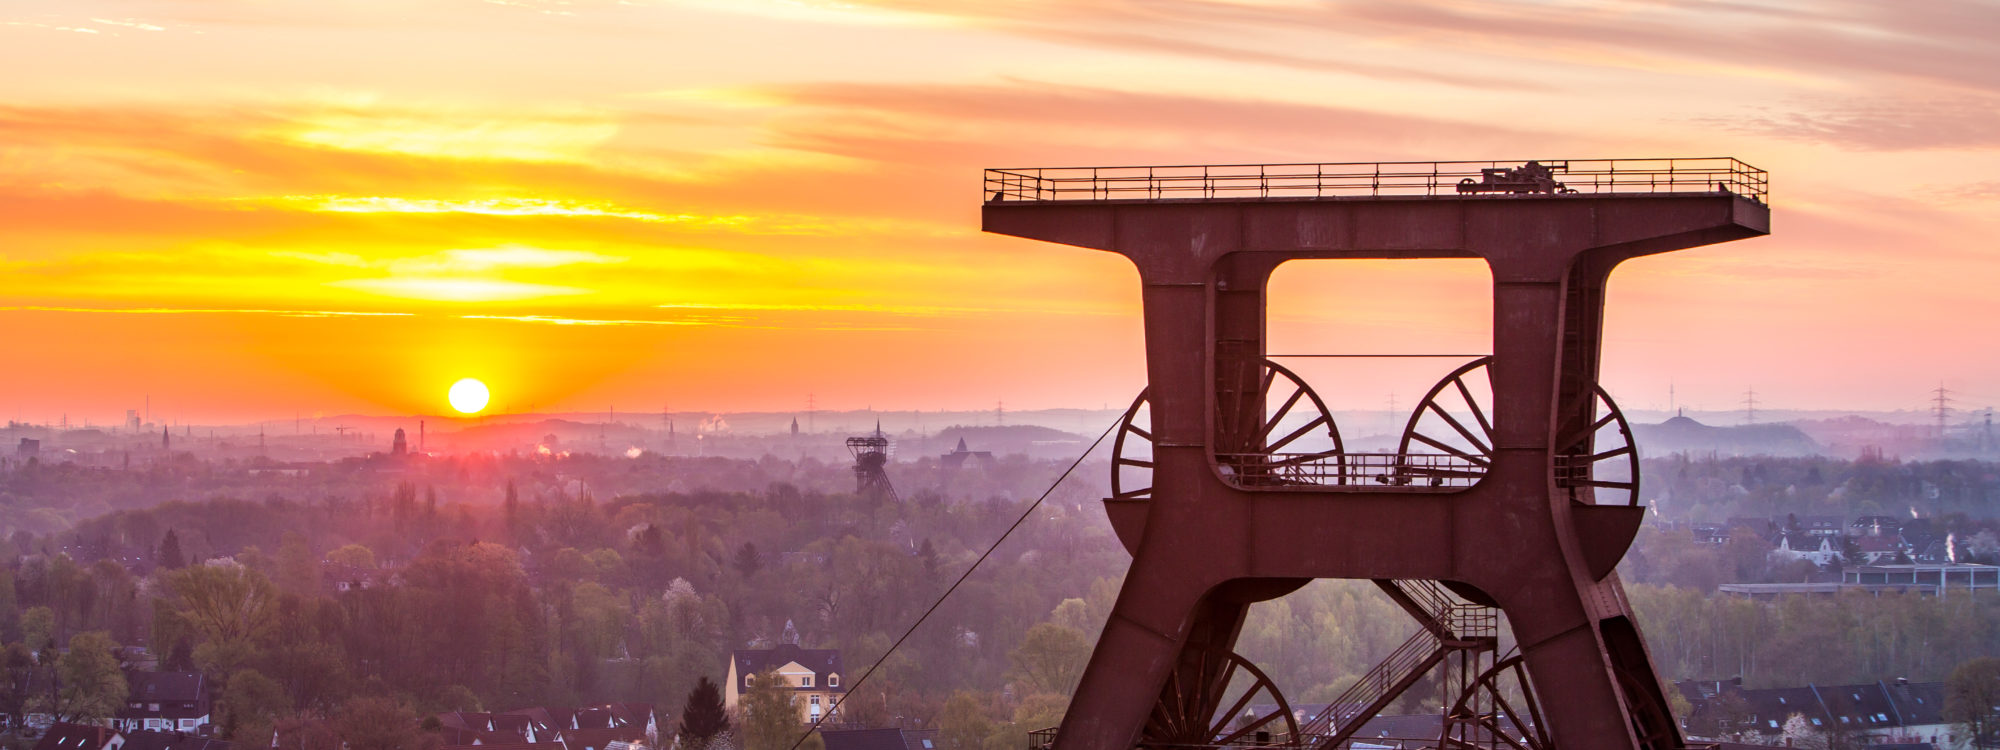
(468, 396)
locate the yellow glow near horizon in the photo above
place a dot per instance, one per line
(468, 396)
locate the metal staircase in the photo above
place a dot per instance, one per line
(1449, 626)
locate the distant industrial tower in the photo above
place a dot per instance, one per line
(871, 454)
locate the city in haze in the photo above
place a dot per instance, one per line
(1024, 375)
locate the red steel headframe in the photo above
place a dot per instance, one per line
(1229, 520)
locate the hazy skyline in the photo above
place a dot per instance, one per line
(246, 210)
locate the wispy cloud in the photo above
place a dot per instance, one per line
(206, 311)
(457, 289)
(561, 321)
(1884, 124)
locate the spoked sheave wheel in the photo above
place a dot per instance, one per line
(1211, 701)
(1294, 441)
(1278, 434)
(1497, 709)
(1132, 453)
(1596, 459)
(1652, 722)
(1449, 440)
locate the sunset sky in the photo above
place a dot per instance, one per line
(247, 209)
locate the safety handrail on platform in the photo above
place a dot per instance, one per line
(1719, 174)
(1382, 471)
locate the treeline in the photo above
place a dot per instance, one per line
(1717, 488)
(1796, 640)
(546, 595)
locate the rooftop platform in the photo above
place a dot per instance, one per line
(1485, 180)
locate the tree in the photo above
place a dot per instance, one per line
(251, 705)
(230, 607)
(91, 686)
(771, 716)
(17, 682)
(748, 562)
(963, 725)
(38, 630)
(171, 557)
(704, 716)
(381, 724)
(306, 734)
(1971, 693)
(298, 569)
(1050, 659)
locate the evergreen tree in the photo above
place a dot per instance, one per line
(171, 557)
(703, 717)
(748, 562)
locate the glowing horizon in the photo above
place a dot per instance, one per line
(251, 210)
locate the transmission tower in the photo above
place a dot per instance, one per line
(1941, 407)
(1750, 406)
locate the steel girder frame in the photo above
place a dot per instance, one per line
(1205, 549)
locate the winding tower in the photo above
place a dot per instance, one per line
(1514, 490)
(871, 457)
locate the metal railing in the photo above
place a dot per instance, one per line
(1407, 471)
(1718, 174)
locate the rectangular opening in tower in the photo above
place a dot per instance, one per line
(1373, 337)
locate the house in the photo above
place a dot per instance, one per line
(340, 579)
(66, 736)
(587, 728)
(814, 676)
(165, 702)
(1818, 550)
(1877, 713)
(956, 458)
(1875, 526)
(880, 739)
(1827, 527)
(1709, 533)
(1876, 549)
(143, 740)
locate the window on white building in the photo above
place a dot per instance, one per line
(806, 681)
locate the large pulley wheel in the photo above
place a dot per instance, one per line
(1293, 441)
(1214, 701)
(1497, 709)
(1449, 441)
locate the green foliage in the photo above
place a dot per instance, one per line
(1050, 659)
(90, 686)
(18, 675)
(251, 706)
(964, 724)
(702, 716)
(1972, 700)
(171, 557)
(38, 628)
(224, 604)
(1796, 640)
(770, 714)
(381, 724)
